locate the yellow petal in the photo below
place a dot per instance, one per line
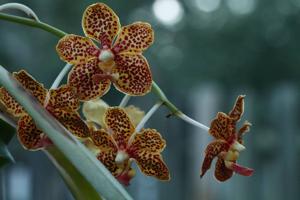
(135, 114)
(94, 110)
(100, 23)
(134, 75)
(134, 38)
(152, 164)
(118, 122)
(76, 49)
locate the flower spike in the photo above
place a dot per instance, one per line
(227, 144)
(119, 62)
(117, 149)
(62, 103)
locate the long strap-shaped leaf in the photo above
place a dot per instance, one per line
(83, 160)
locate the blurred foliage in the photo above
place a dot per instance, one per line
(6, 134)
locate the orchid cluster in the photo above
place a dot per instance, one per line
(111, 54)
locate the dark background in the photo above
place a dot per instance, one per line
(206, 52)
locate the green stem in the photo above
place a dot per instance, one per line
(161, 95)
(32, 23)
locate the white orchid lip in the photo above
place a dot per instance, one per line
(121, 157)
(106, 55)
(238, 146)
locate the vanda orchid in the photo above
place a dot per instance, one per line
(98, 147)
(118, 59)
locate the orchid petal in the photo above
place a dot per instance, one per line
(152, 164)
(118, 122)
(81, 78)
(73, 122)
(108, 159)
(76, 49)
(64, 98)
(134, 75)
(134, 38)
(148, 140)
(238, 109)
(222, 127)
(28, 134)
(211, 151)
(103, 140)
(222, 173)
(100, 23)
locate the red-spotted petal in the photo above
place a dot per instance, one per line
(238, 108)
(72, 121)
(134, 38)
(76, 49)
(31, 85)
(118, 122)
(10, 104)
(29, 135)
(100, 23)
(103, 140)
(134, 75)
(81, 78)
(211, 151)
(107, 157)
(244, 129)
(64, 98)
(222, 173)
(223, 127)
(152, 164)
(148, 140)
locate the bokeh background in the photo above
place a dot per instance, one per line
(206, 52)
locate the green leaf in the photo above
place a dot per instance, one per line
(78, 185)
(84, 161)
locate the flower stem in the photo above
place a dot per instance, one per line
(59, 33)
(32, 23)
(148, 116)
(21, 7)
(124, 101)
(193, 122)
(61, 75)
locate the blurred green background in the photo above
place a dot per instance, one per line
(206, 52)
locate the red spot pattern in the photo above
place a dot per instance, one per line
(134, 38)
(152, 164)
(10, 104)
(64, 98)
(62, 104)
(76, 49)
(81, 78)
(119, 123)
(222, 173)
(72, 121)
(211, 151)
(134, 74)
(148, 139)
(101, 23)
(31, 85)
(145, 148)
(108, 159)
(223, 129)
(29, 135)
(102, 140)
